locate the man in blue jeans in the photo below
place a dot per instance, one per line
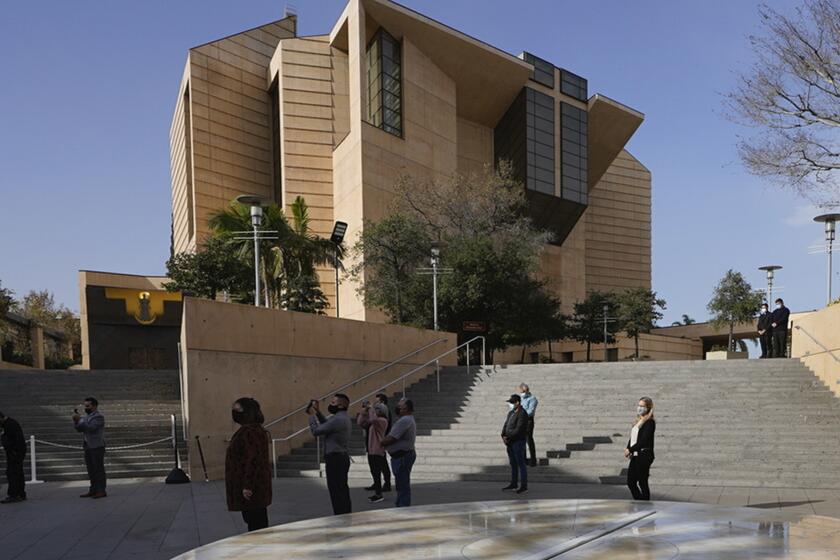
(400, 445)
(515, 435)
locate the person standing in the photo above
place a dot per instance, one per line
(779, 323)
(374, 418)
(400, 445)
(529, 403)
(382, 398)
(514, 436)
(14, 444)
(92, 425)
(640, 450)
(385, 472)
(336, 431)
(765, 331)
(248, 465)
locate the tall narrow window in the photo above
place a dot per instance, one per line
(384, 80)
(276, 148)
(574, 134)
(188, 162)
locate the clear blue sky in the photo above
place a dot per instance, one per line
(89, 86)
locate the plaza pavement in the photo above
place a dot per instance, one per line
(146, 519)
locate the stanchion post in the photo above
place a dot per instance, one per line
(33, 472)
(274, 455)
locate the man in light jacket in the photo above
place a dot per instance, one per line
(92, 425)
(514, 435)
(529, 403)
(336, 431)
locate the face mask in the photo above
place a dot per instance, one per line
(763, 310)
(88, 410)
(641, 410)
(332, 409)
(778, 306)
(238, 416)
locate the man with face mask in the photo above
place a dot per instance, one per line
(15, 446)
(779, 322)
(93, 428)
(765, 331)
(336, 431)
(514, 436)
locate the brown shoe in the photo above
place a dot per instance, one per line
(88, 495)
(99, 495)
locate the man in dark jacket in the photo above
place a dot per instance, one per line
(779, 321)
(515, 436)
(765, 331)
(15, 446)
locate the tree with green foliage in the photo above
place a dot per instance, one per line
(214, 268)
(40, 307)
(587, 323)
(7, 300)
(639, 310)
(287, 264)
(488, 244)
(733, 301)
(686, 320)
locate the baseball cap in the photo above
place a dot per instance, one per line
(514, 398)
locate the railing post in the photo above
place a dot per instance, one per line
(33, 469)
(274, 455)
(468, 358)
(483, 354)
(437, 372)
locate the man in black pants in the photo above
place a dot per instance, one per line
(765, 332)
(336, 431)
(15, 446)
(779, 319)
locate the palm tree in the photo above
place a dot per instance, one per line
(287, 264)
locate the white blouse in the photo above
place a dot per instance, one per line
(634, 435)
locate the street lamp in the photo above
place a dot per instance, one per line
(770, 269)
(339, 229)
(255, 203)
(435, 263)
(830, 221)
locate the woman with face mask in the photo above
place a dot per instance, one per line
(248, 465)
(640, 450)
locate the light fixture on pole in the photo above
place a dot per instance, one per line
(435, 270)
(830, 221)
(339, 229)
(770, 269)
(257, 235)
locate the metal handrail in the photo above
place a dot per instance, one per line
(362, 378)
(402, 378)
(818, 343)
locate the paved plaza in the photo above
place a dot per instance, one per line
(147, 519)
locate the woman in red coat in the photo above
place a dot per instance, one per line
(248, 466)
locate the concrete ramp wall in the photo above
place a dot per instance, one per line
(816, 341)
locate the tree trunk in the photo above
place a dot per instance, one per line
(550, 360)
(731, 329)
(522, 359)
(637, 345)
(588, 347)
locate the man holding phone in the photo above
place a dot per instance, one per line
(92, 425)
(336, 431)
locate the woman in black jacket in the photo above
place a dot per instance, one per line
(640, 450)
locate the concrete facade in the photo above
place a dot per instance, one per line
(816, 341)
(283, 358)
(280, 116)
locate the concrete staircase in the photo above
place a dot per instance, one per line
(735, 423)
(137, 406)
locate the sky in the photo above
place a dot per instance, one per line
(89, 89)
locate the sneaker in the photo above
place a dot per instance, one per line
(376, 499)
(99, 495)
(523, 490)
(532, 464)
(87, 495)
(370, 488)
(11, 500)
(386, 488)
(509, 487)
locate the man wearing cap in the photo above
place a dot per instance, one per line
(515, 435)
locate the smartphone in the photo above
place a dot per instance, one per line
(75, 411)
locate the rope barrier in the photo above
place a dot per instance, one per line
(79, 448)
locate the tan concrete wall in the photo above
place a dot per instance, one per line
(180, 160)
(651, 346)
(283, 359)
(618, 228)
(231, 134)
(816, 342)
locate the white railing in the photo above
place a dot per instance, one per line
(33, 461)
(402, 378)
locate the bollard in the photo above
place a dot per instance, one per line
(33, 469)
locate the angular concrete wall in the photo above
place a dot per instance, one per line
(816, 342)
(282, 359)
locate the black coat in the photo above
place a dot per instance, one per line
(645, 439)
(765, 321)
(780, 317)
(12, 439)
(515, 427)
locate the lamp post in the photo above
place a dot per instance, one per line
(770, 269)
(435, 263)
(830, 221)
(255, 203)
(339, 229)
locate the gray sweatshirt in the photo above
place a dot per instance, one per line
(335, 429)
(93, 427)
